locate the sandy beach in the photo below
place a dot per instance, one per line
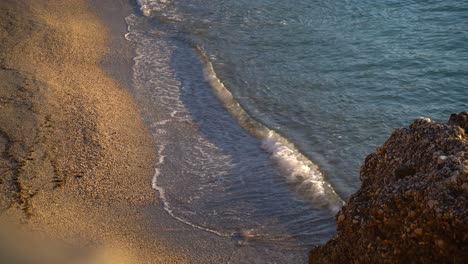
(76, 157)
(115, 149)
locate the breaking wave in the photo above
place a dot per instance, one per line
(299, 170)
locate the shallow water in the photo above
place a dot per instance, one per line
(336, 77)
(264, 110)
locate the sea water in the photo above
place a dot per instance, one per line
(263, 111)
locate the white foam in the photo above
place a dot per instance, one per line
(147, 6)
(155, 53)
(162, 122)
(298, 169)
(301, 172)
(151, 69)
(166, 205)
(163, 7)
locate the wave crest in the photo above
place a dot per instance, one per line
(302, 173)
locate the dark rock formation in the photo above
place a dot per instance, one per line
(412, 206)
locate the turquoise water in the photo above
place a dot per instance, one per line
(336, 77)
(263, 111)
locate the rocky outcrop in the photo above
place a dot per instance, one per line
(412, 206)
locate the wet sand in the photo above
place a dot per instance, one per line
(197, 246)
(76, 158)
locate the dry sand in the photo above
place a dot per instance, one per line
(75, 157)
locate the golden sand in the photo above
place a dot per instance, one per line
(76, 159)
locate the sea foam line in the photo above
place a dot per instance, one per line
(149, 6)
(162, 8)
(299, 170)
(166, 205)
(133, 36)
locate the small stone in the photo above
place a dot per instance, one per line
(340, 219)
(424, 120)
(440, 243)
(460, 120)
(464, 187)
(403, 171)
(441, 159)
(455, 174)
(452, 179)
(432, 203)
(418, 231)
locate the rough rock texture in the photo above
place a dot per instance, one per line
(412, 205)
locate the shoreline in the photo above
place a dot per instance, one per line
(78, 154)
(77, 159)
(197, 245)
